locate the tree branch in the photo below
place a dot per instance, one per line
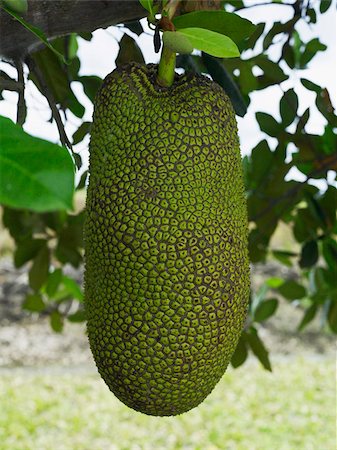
(21, 109)
(52, 104)
(60, 17)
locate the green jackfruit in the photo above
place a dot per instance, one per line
(167, 273)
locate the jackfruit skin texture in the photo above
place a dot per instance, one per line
(167, 272)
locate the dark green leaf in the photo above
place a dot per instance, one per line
(273, 73)
(310, 85)
(56, 321)
(265, 309)
(27, 249)
(33, 303)
(83, 180)
(309, 254)
(332, 316)
(241, 353)
(221, 76)
(312, 47)
(268, 124)
(308, 316)
(288, 107)
(57, 81)
(251, 41)
(305, 225)
(191, 63)
(91, 84)
(222, 22)
(35, 174)
(330, 253)
(311, 13)
(284, 257)
(258, 348)
(303, 121)
(129, 51)
(81, 132)
(135, 27)
(38, 273)
(86, 36)
(292, 290)
(53, 282)
(324, 6)
(78, 316)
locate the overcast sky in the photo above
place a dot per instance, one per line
(97, 57)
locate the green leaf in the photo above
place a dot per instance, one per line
(73, 288)
(37, 32)
(135, 26)
(33, 303)
(310, 85)
(56, 321)
(251, 42)
(27, 249)
(148, 5)
(129, 51)
(222, 77)
(241, 352)
(53, 282)
(35, 174)
(292, 290)
(311, 48)
(19, 6)
(308, 316)
(284, 256)
(268, 124)
(57, 79)
(78, 316)
(265, 309)
(330, 253)
(38, 273)
(324, 6)
(222, 22)
(214, 44)
(274, 282)
(272, 72)
(332, 316)
(258, 348)
(288, 107)
(309, 254)
(91, 84)
(81, 132)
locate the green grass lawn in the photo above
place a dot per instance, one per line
(292, 408)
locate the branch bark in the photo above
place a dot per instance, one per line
(60, 17)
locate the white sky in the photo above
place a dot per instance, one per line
(97, 58)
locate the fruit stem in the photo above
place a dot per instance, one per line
(166, 67)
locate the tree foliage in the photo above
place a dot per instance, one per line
(48, 234)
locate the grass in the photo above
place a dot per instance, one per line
(292, 408)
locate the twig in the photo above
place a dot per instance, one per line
(22, 108)
(51, 101)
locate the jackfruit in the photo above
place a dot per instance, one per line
(167, 272)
